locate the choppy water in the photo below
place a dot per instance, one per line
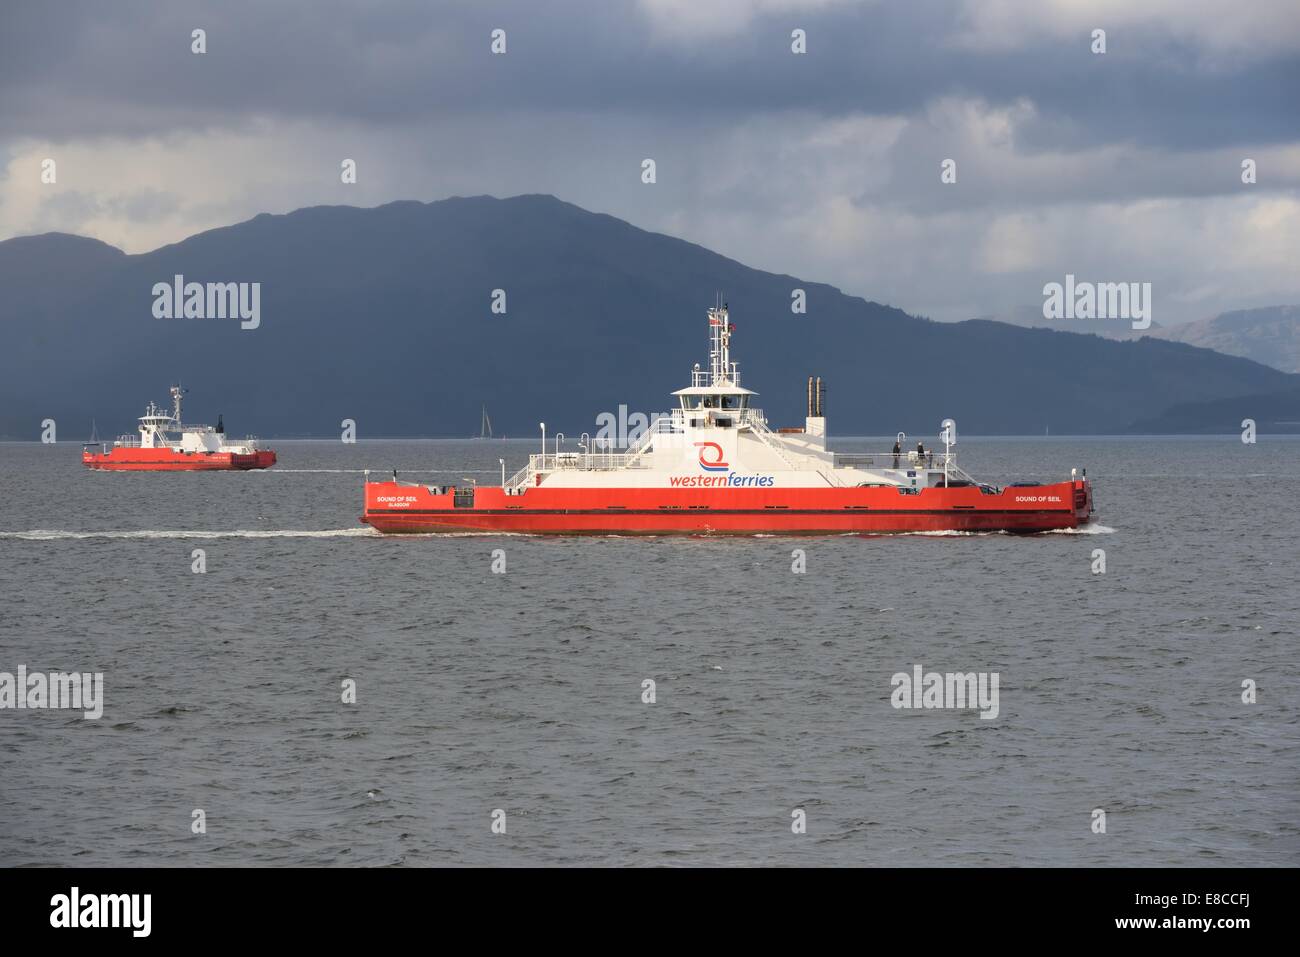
(522, 691)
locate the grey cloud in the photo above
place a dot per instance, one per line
(67, 209)
(824, 165)
(127, 66)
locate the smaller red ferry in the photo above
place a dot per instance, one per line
(165, 445)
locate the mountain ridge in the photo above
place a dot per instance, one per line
(1269, 335)
(383, 315)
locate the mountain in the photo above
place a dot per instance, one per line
(383, 316)
(1273, 413)
(1270, 335)
(1031, 317)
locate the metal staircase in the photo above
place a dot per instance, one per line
(758, 425)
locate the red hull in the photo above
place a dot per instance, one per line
(395, 507)
(167, 460)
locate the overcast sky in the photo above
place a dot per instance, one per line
(1124, 166)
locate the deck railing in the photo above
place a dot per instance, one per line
(911, 459)
(908, 459)
(570, 462)
(132, 441)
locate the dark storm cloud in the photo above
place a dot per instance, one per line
(824, 165)
(77, 69)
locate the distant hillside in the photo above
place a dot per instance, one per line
(1270, 335)
(1275, 413)
(383, 316)
(1031, 317)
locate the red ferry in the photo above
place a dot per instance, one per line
(713, 466)
(164, 444)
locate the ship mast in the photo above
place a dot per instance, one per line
(177, 392)
(721, 370)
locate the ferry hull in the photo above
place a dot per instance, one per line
(397, 508)
(169, 460)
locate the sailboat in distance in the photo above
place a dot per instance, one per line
(485, 426)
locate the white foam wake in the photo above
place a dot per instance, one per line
(46, 535)
(1081, 530)
(951, 532)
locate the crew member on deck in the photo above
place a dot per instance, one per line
(898, 450)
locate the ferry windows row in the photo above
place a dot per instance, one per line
(729, 402)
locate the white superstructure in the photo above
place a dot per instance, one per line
(715, 437)
(161, 429)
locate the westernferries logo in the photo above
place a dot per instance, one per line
(712, 460)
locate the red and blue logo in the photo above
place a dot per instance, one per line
(711, 462)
